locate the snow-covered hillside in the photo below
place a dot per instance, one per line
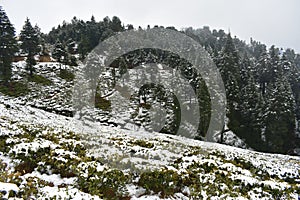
(45, 155)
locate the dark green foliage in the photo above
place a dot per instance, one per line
(279, 117)
(39, 79)
(30, 44)
(163, 182)
(158, 93)
(228, 64)
(102, 103)
(116, 24)
(73, 61)
(251, 107)
(67, 75)
(86, 34)
(3, 146)
(14, 89)
(60, 53)
(143, 143)
(7, 46)
(26, 167)
(205, 108)
(63, 52)
(109, 184)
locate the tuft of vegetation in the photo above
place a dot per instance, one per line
(102, 103)
(164, 182)
(63, 155)
(143, 143)
(67, 75)
(39, 79)
(14, 89)
(108, 184)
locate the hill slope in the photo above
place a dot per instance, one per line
(45, 155)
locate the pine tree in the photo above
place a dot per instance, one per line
(90, 37)
(228, 64)
(59, 52)
(30, 44)
(263, 74)
(280, 116)
(130, 27)
(276, 67)
(250, 107)
(116, 24)
(292, 74)
(7, 46)
(268, 68)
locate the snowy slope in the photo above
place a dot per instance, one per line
(47, 155)
(199, 169)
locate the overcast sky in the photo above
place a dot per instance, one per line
(269, 21)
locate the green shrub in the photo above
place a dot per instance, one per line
(102, 103)
(3, 145)
(39, 79)
(164, 182)
(143, 143)
(14, 89)
(67, 75)
(109, 184)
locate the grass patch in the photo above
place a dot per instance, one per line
(164, 182)
(107, 184)
(39, 79)
(102, 103)
(143, 143)
(14, 89)
(67, 75)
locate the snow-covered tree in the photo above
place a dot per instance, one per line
(250, 107)
(280, 116)
(228, 64)
(59, 52)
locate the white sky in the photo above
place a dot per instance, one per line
(269, 21)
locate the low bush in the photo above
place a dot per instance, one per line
(164, 182)
(14, 89)
(39, 79)
(67, 75)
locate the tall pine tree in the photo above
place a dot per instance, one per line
(60, 53)
(250, 107)
(280, 119)
(7, 46)
(228, 64)
(30, 44)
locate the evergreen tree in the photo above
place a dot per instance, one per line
(250, 107)
(116, 24)
(41, 40)
(30, 44)
(268, 68)
(263, 74)
(130, 27)
(59, 52)
(228, 64)
(90, 37)
(280, 117)
(7, 46)
(293, 76)
(275, 69)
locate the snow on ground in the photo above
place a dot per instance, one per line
(47, 155)
(139, 151)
